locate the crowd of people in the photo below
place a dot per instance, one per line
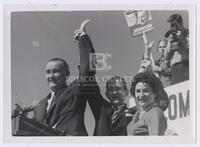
(63, 108)
(173, 65)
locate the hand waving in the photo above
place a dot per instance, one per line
(81, 31)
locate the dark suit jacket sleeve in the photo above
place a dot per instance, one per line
(104, 127)
(89, 88)
(85, 49)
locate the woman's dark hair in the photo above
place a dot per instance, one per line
(145, 77)
(156, 86)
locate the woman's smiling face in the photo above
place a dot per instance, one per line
(144, 95)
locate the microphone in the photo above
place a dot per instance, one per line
(22, 111)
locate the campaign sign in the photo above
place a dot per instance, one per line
(138, 21)
(179, 114)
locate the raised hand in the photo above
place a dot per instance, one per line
(146, 65)
(81, 31)
(83, 25)
(147, 46)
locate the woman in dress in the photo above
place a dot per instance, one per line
(151, 100)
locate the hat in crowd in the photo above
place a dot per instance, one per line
(175, 18)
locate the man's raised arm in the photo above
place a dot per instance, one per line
(90, 89)
(85, 49)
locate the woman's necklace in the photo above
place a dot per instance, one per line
(142, 112)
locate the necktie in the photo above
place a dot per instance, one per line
(114, 115)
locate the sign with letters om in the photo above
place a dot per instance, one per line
(138, 21)
(180, 117)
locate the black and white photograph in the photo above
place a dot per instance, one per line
(76, 72)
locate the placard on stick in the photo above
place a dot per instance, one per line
(138, 21)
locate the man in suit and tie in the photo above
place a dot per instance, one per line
(63, 109)
(115, 115)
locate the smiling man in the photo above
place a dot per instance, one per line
(63, 109)
(57, 71)
(115, 115)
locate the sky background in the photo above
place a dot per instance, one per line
(53, 31)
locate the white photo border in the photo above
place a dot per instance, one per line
(7, 136)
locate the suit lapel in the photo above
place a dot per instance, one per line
(55, 100)
(53, 104)
(110, 112)
(40, 110)
(120, 113)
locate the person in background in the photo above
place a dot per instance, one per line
(161, 67)
(162, 64)
(149, 94)
(178, 50)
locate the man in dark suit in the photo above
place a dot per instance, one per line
(63, 109)
(115, 115)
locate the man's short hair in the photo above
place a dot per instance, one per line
(65, 65)
(113, 79)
